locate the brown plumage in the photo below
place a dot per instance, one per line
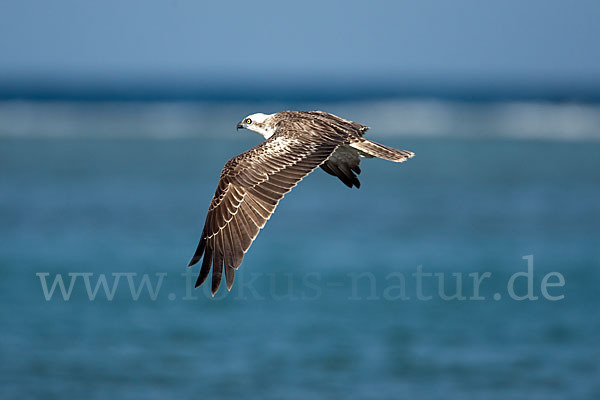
(253, 183)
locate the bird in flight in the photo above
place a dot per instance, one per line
(252, 183)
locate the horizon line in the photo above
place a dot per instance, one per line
(261, 88)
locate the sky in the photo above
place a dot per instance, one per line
(539, 39)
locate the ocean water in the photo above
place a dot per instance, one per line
(326, 303)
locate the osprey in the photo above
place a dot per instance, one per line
(253, 183)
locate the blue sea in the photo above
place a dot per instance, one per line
(355, 294)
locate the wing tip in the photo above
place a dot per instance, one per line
(199, 251)
(200, 280)
(216, 281)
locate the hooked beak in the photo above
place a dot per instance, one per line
(240, 126)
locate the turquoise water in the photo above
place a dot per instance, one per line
(301, 320)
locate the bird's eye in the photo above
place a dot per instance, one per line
(248, 121)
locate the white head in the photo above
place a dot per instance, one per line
(260, 123)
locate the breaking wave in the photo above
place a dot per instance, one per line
(405, 118)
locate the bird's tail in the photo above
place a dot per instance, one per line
(381, 151)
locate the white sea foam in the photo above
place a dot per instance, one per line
(406, 118)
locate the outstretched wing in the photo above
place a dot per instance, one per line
(250, 187)
(344, 163)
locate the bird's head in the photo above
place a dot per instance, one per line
(260, 123)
